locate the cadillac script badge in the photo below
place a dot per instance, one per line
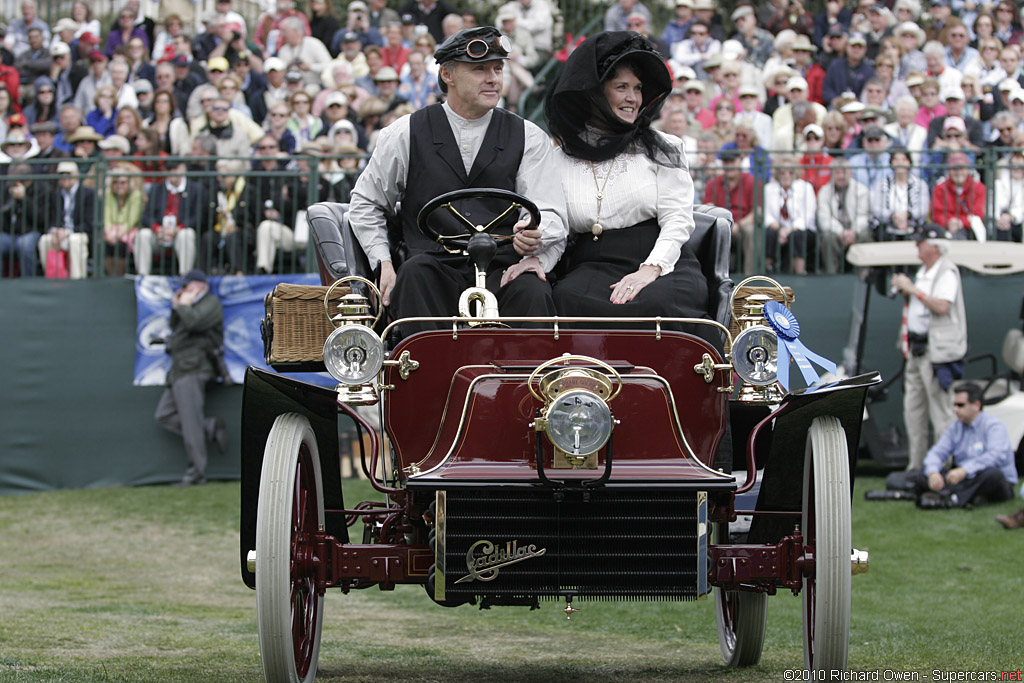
(484, 559)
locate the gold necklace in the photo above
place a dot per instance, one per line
(597, 228)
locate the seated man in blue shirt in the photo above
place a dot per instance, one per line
(982, 467)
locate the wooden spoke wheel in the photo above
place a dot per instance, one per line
(827, 539)
(290, 513)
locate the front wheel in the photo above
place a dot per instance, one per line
(827, 537)
(289, 605)
(741, 618)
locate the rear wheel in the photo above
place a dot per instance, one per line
(826, 531)
(289, 606)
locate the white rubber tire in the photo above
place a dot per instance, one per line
(281, 600)
(826, 527)
(742, 617)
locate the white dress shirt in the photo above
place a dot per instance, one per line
(637, 190)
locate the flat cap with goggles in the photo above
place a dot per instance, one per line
(482, 44)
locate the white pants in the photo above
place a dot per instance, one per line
(924, 401)
(270, 235)
(184, 247)
(78, 253)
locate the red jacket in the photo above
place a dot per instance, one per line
(815, 82)
(816, 169)
(10, 77)
(946, 203)
(739, 201)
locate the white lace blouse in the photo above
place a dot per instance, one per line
(637, 190)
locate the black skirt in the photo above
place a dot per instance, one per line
(592, 267)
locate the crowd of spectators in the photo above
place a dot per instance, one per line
(863, 121)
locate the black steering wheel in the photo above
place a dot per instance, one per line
(459, 241)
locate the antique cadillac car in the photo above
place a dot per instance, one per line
(573, 460)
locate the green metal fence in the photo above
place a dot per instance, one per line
(229, 233)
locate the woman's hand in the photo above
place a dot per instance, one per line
(628, 287)
(531, 264)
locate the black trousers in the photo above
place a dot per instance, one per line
(430, 285)
(989, 484)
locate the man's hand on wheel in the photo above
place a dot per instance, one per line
(526, 242)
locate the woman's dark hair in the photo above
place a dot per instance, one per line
(576, 100)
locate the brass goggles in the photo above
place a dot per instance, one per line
(478, 48)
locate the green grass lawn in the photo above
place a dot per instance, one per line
(143, 585)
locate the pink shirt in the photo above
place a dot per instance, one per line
(925, 115)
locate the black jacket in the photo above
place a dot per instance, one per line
(193, 202)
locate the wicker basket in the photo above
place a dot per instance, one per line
(743, 292)
(296, 326)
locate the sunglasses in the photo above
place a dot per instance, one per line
(873, 139)
(216, 71)
(220, 108)
(960, 405)
(333, 105)
(953, 134)
(813, 136)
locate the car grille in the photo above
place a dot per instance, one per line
(613, 544)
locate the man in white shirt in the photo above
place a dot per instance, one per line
(933, 334)
(306, 53)
(789, 205)
(534, 16)
(453, 146)
(844, 214)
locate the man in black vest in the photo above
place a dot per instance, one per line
(464, 143)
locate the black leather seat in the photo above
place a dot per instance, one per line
(338, 253)
(710, 241)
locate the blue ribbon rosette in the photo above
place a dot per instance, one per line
(785, 325)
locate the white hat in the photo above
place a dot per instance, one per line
(854, 107)
(357, 5)
(797, 83)
(337, 98)
(813, 128)
(732, 49)
(273, 64)
(67, 167)
(952, 93)
(742, 11)
(386, 73)
(693, 85)
(684, 73)
(118, 142)
(1017, 95)
(59, 49)
(505, 13)
(749, 90)
(911, 27)
(65, 24)
(954, 122)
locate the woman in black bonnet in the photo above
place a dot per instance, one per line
(629, 194)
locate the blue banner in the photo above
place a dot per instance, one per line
(242, 298)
